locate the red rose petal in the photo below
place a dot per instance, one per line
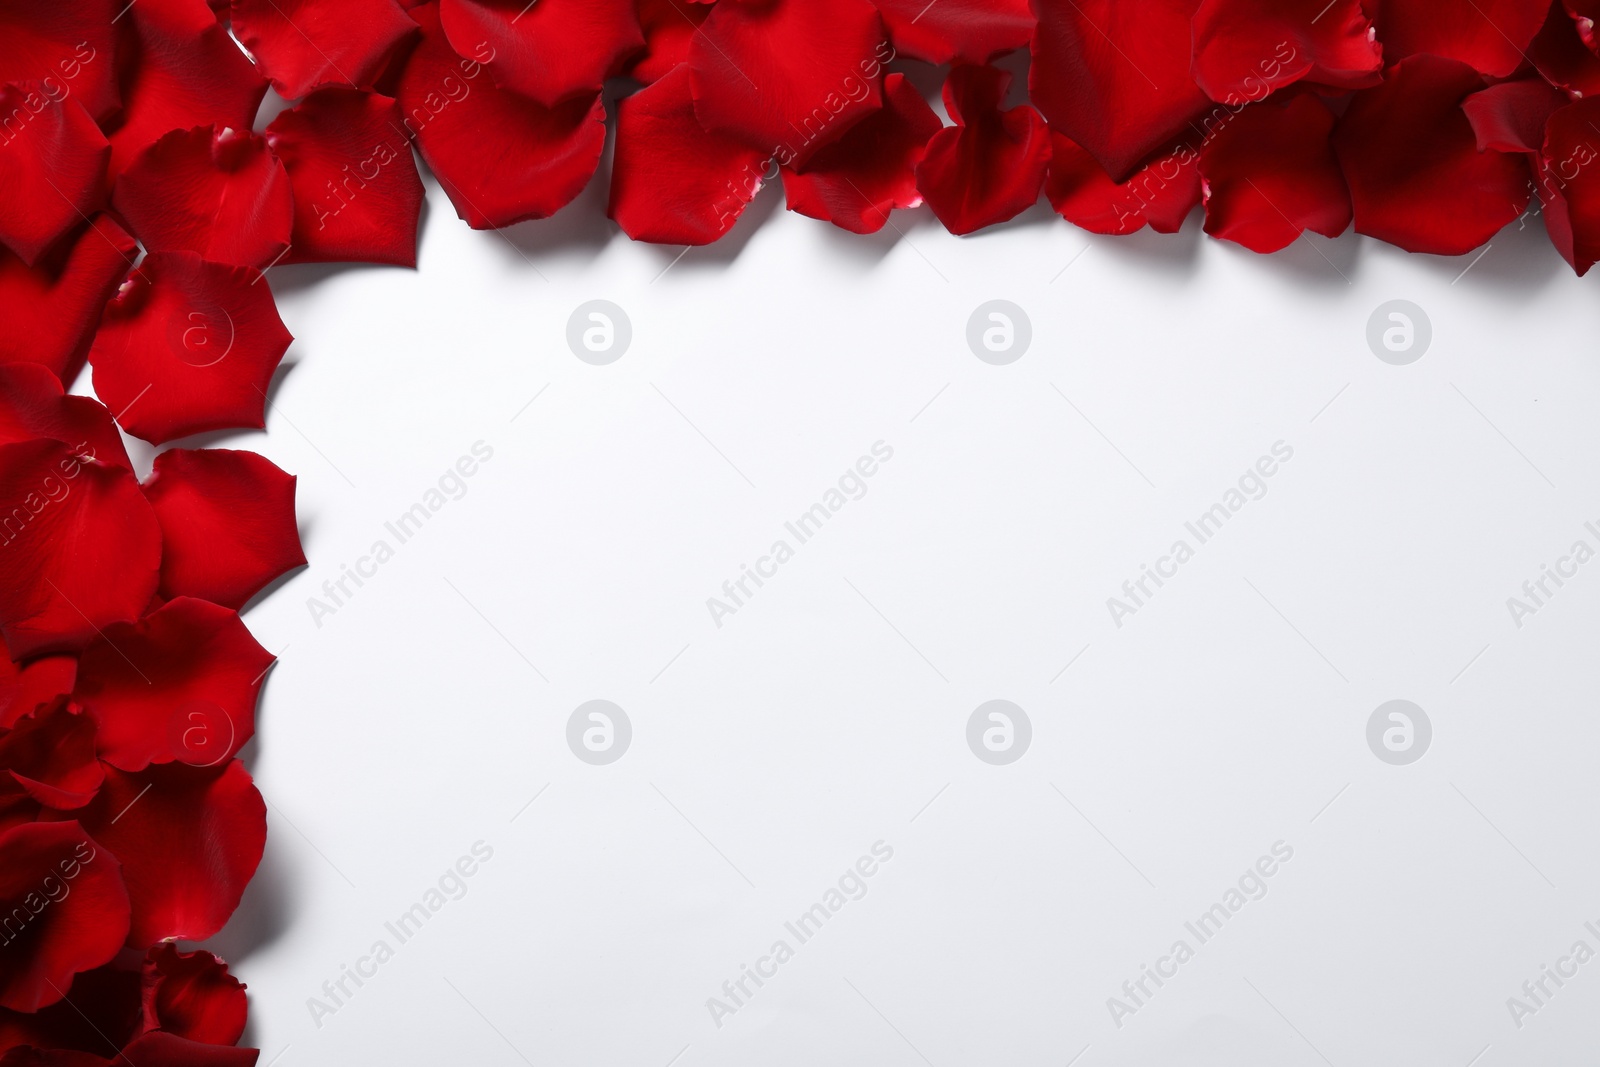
(35, 1057)
(1411, 159)
(1160, 194)
(1271, 174)
(192, 995)
(671, 181)
(180, 69)
(24, 687)
(1488, 35)
(306, 44)
(67, 45)
(1569, 183)
(100, 1012)
(80, 545)
(990, 166)
(32, 404)
(856, 181)
(1114, 77)
(52, 167)
(188, 346)
(1510, 116)
(357, 196)
(1246, 49)
(178, 685)
(51, 755)
(188, 845)
(1559, 53)
(788, 76)
(227, 524)
(219, 193)
(669, 26)
(540, 158)
(957, 31)
(65, 911)
(52, 309)
(547, 51)
(170, 1050)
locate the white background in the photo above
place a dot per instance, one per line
(830, 712)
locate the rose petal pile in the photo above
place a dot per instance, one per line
(144, 200)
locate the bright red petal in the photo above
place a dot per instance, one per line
(179, 685)
(219, 193)
(1160, 194)
(357, 196)
(52, 168)
(1510, 116)
(669, 26)
(1558, 52)
(548, 51)
(51, 755)
(66, 45)
(788, 76)
(170, 1050)
(1411, 159)
(188, 844)
(24, 687)
(1569, 183)
(1490, 36)
(32, 405)
(73, 911)
(188, 346)
(1271, 174)
(1114, 76)
(538, 161)
(227, 524)
(856, 181)
(957, 31)
(179, 69)
(81, 546)
(671, 181)
(306, 44)
(990, 166)
(1246, 49)
(52, 309)
(192, 995)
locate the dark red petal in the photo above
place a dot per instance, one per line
(1569, 183)
(188, 346)
(1510, 116)
(957, 31)
(51, 754)
(219, 193)
(1488, 35)
(357, 196)
(788, 76)
(24, 687)
(1271, 174)
(671, 181)
(52, 309)
(539, 159)
(36, 1057)
(856, 181)
(305, 44)
(179, 69)
(81, 547)
(1160, 194)
(63, 909)
(192, 995)
(669, 26)
(188, 844)
(990, 166)
(178, 685)
(1114, 76)
(66, 45)
(170, 1050)
(1246, 49)
(1416, 176)
(227, 524)
(52, 168)
(547, 51)
(32, 404)
(1559, 53)
(99, 1014)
